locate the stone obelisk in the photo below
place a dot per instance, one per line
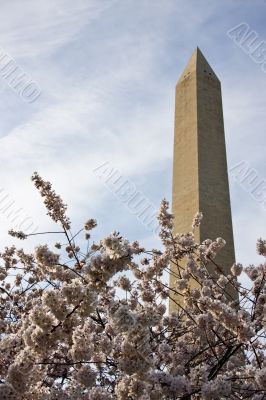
(200, 178)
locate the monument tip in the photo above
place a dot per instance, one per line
(198, 64)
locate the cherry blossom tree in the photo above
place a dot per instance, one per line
(90, 321)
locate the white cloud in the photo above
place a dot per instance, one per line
(107, 70)
(38, 28)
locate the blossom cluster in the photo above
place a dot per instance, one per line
(91, 322)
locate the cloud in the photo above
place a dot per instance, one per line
(32, 29)
(107, 70)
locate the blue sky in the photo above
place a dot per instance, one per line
(107, 70)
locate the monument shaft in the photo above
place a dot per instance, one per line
(200, 178)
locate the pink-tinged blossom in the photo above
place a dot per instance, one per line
(261, 247)
(197, 220)
(260, 377)
(237, 269)
(90, 322)
(7, 392)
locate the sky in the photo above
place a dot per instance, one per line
(107, 71)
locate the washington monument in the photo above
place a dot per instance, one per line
(200, 178)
